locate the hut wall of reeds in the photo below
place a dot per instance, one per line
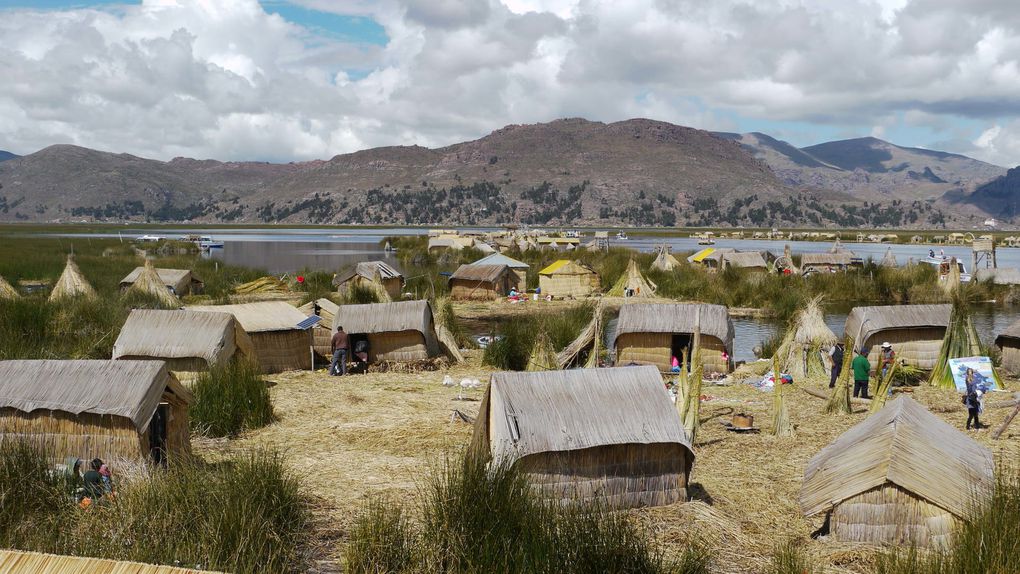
(482, 282)
(71, 283)
(182, 281)
(567, 279)
(647, 334)
(903, 476)
(399, 332)
(186, 340)
(20, 562)
(90, 409)
(825, 262)
(915, 331)
(582, 434)
(272, 327)
(322, 334)
(377, 275)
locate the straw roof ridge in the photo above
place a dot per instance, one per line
(906, 445)
(863, 322)
(385, 317)
(130, 389)
(676, 318)
(177, 334)
(327, 310)
(482, 273)
(566, 267)
(368, 269)
(39, 563)
(259, 317)
(555, 411)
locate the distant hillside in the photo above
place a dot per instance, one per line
(869, 168)
(6, 155)
(999, 198)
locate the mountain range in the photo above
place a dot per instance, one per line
(565, 172)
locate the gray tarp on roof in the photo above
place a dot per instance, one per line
(385, 317)
(481, 273)
(908, 446)
(177, 335)
(841, 258)
(999, 275)
(367, 269)
(676, 318)
(552, 411)
(130, 389)
(863, 322)
(500, 259)
(259, 317)
(176, 278)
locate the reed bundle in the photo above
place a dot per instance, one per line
(781, 425)
(691, 414)
(72, 283)
(884, 388)
(800, 352)
(839, 402)
(150, 284)
(542, 357)
(961, 340)
(262, 286)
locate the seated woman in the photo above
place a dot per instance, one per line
(675, 365)
(93, 481)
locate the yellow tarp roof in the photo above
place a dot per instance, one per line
(556, 266)
(701, 255)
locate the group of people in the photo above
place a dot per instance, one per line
(94, 483)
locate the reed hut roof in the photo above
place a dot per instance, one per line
(665, 260)
(480, 273)
(555, 411)
(327, 310)
(567, 267)
(176, 278)
(178, 334)
(129, 389)
(710, 254)
(908, 446)
(676, 318)
(7, 291)
(633, 279)
(385, 317)
(368, 269)
(500, 259)
(999, 275)
(863, 322)
(71, 283)
(839, 258)
(150, 283)
(745, 260)
(889, 259)
(259, 317)
(19, 562)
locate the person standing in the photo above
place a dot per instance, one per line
(339, 345)
(886, 359)
(972, 400)
(836, 359)
(862, 369)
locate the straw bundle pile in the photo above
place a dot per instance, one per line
(632, 280)
(800, 352)
(6, 290)
(781, 425)
(889, 260)
(839, 402)
(665, 261)
(690, 414)
(951, 282)
(72, 283)
(542, 358)
(589, 338)
(262, 286)
(149, 283)
(884, 385)
(961, 340)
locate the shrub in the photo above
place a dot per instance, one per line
(230, 399)
(511, 351)
(29, 492)
(381, 540)
(789, 558)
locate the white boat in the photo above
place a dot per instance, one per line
(938, 262)
(485, 340)
(207, 242)
(572, 234)
(622, 235)
(706, 241)
(150, 238)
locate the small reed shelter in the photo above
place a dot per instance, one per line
(750, 260)
(378, 276)
(1008, 342)
(588, 434)
(654, 333)
(902, 477)
(180, 282)
(828, 262)
(397, 332)
(150, 284)
(632, 283)
(915, 331)
(185, 340)
(519, 268)
(281, 341)
(664, 260)
(113, 410)
(322, 334)
(72, 283)
(482, 282)
(566, 279)
(21, 562)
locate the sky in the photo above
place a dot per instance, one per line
(294, 80)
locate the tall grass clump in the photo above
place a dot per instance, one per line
(512, 350)
(478, 517)
(447, 317)
(316, 285)
(77, 328)
(230, 399)
(29, 492)
(359, 294)
(988, 544)
(789, 558)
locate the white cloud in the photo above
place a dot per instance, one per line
(225, 79)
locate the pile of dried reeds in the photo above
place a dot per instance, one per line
(263, 286)
(688, 398)
(799, 353)
(6, 290)
(542, 357)
(961, 340)
(884, 388)
(72, 283)
(149, 283)
(634, 281)
(416, 366)
(445, 322)
(590, 338)
(781, 425)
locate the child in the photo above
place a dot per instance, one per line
(676, 365)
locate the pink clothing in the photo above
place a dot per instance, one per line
(676, 363)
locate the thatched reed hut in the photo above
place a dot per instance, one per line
(20, 562)
(7, 291)
(452, 242)
(322, 334)
(889, 259)
(273, 326)
(825, 262)
(381, 277)
(654, 333)
(398, 332)
(519, 268)
(902, 477)
(915, 331)
(185, 340)
(113, 410)
(1008, 342)
(181, 282)
(664, 260)
(482, 282)
(632, 283)
(750, 260)
(566, 279)
(71, 283)
(585, 434)
(710, 257)
(149, 283)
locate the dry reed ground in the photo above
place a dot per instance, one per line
(351, 438)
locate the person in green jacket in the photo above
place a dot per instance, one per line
(862, 370)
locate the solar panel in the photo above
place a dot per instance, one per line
(309, 322)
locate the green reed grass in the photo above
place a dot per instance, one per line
(230, 399)
(789, 558)
(518, 334)
(359, 294)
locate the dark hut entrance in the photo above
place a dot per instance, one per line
(681, 343)
(158, 434)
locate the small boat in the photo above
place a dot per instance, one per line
(572, 234)
(485, 340)
(622, 235)
(706, 241)
(207, 242)
(150, 238)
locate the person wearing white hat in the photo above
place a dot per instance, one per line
(886, 359)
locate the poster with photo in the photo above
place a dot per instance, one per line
(979, 368)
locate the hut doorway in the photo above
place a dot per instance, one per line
(360, 353)
(680, 344)
(158, 435)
